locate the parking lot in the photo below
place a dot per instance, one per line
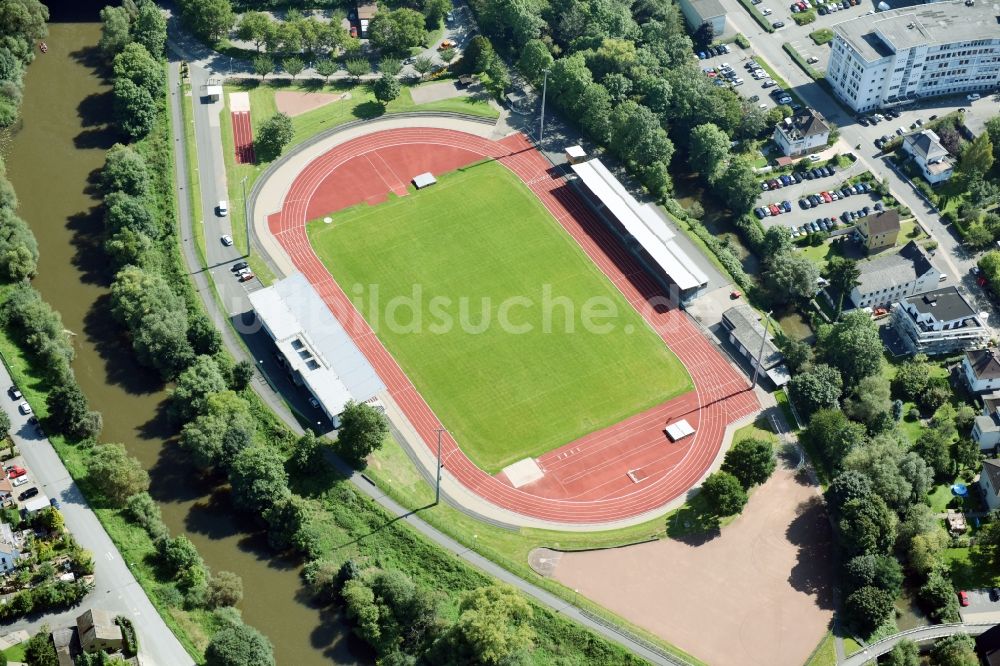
(798, 36)
(737, 59)
(981, 608)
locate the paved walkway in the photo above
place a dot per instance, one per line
(115, 588)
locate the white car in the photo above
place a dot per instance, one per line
(785, 99)
(223, 208)
(765, 11)
(227, 240)
(20, 481)
(973, 97)
(24, 408)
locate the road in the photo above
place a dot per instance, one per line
(116, 589)
(275, 401)
(951, 257)
(918, 635)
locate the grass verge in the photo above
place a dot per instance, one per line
(825, 653)
(539, 377)
(194, 183)
(757, 16)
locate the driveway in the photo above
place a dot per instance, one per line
(115, 588)
(758, 593)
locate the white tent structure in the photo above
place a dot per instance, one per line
(679, 430)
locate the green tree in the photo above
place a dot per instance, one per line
(738, 186)
(39, 650)
(777, 240)
(912, 378)
(189, 396)
(115, 27)
(4, 425)
(150, 28)
(870, 403)
(211, 19)
(136, 64)
(293, 66)
(843, 275)
(816, 387)
(881, 571)
(179, 554)
(397, 30)
(253, 27)
(493, 628)
(751, 461)
(214, 438)
(966, 453)
(242, 373)
(833, 436)
(709, 151)
(225, 589)
(363, 430)
(977, 157)
(124, 211)
(867, 608)
(125, 171)
(853, 346)
(273, 135)
(925, 549)
(934, 446)
(898, 476)
(535, 59)
(263, 65)
(117, 474)
(724, 493)
(390, 66)
(386, 89)
(258, 479)
(239, 645)
(903, 653)
(326, 68)
(955, 650)
(69, 412)
(847, 486)
(134, 108)
(791, 276)
(422, 65)
(938, 597)
(867, 526)
(358, 67)
(447, 55)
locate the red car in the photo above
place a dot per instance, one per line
(16, 471)
(246, 277)
(826, 197)
(963, 598)
(774, 209)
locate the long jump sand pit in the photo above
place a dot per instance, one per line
(295, 102)
(759, 593)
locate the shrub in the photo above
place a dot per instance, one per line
(822, 36)
(742, 41)
(804, 18)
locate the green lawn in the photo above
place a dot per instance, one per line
(15, 652)
(825, 653)
(359, 105)
(480, 244)
(970, 568)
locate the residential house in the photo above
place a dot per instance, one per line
(67, 644)
(98, 631)
(700, 12)
(804, 132)
(742, 323)
(989, 480)
(981, 368)
(938, 322)
(879, 231)
(930, 156)
(889, 277)
(10, 551)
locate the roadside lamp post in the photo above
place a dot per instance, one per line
(437, 486)
(760, 354)
(541, 129)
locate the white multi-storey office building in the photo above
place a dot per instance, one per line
(903, 54)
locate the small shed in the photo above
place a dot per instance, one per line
(575, 154)
(36, 503)
(423, 180)
(679, 430)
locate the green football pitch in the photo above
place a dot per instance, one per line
(483, 300)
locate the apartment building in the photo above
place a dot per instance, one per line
(938, 322)
(889, 277)
(899, 55)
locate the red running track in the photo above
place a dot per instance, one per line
(587, 480)
(243, 137)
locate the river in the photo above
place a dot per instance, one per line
(52, 161)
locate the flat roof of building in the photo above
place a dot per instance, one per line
(708, 9)
(878, 36)
(642, 222)
(315, 344)
(947, 304)
(744, 323)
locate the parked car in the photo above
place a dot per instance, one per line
(797, 177)
(222, 208)
(24, 408)
(973, 97)
(775, 211)
(246, 277)
(813, 227)
(239, 266)
(15, 471)
(787, 205)
(778, 24)
(804, 204)
(826, 196)
(227, 240)
(963, 598)
(20, 481)
(27, 494)
(14, 393)
(812, 60)
(702, 55)
(768, 83)
(759, 212)
(878, 206)
(55, 503)
(784, 99)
